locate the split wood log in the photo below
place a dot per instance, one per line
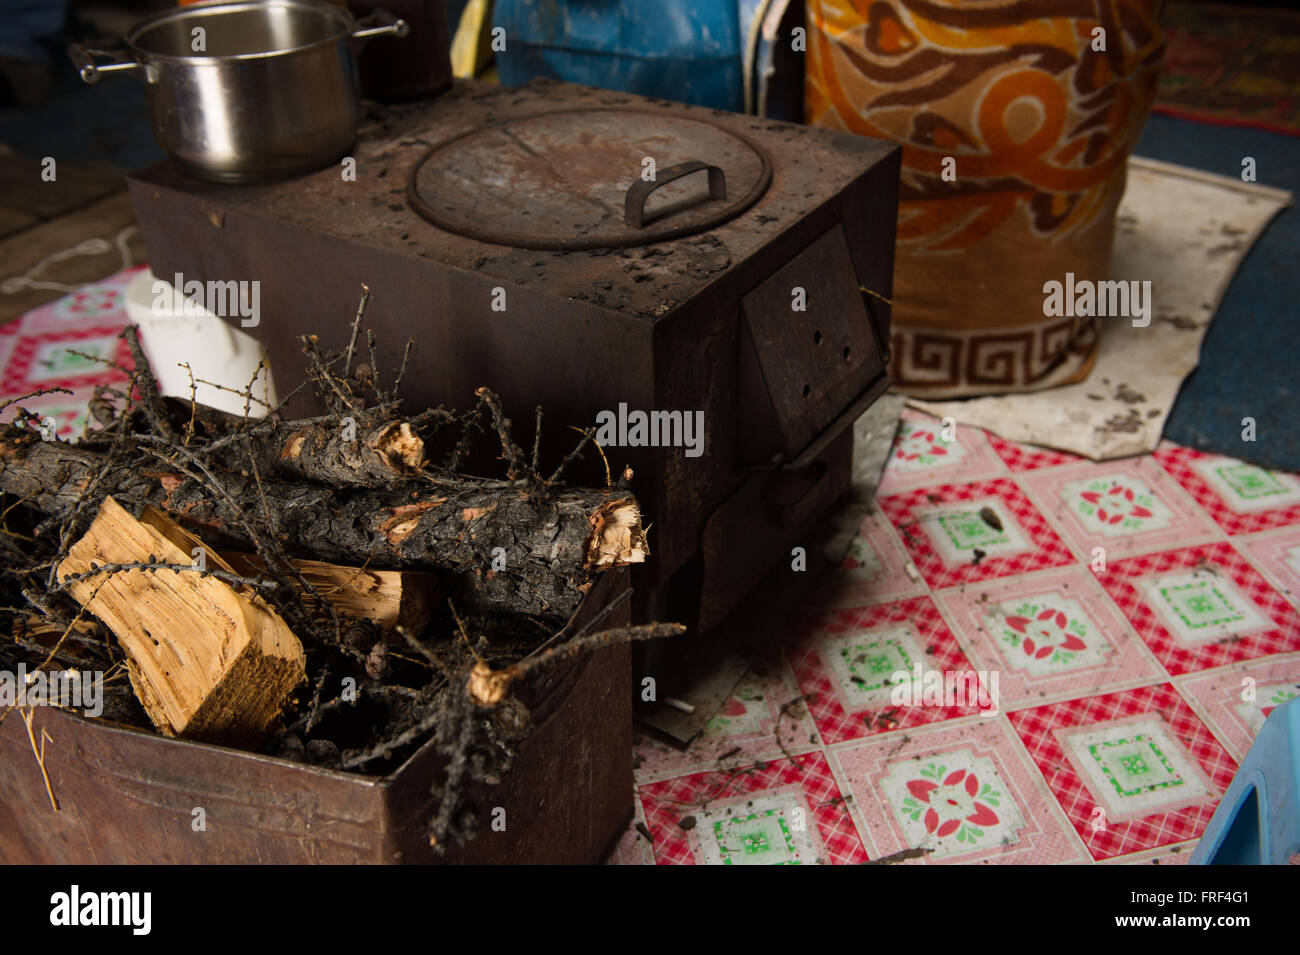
(388, 598)
(511, 547)
(206, 660)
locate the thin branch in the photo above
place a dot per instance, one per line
(587, 436)
(356, 329)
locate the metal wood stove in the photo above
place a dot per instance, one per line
(512, 233)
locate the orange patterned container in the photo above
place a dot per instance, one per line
(1017, 118)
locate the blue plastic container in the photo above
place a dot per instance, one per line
(685, 50)
(1258, 821)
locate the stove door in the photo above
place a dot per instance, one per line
(757, 527)
(809, 353)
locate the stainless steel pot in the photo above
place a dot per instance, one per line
(247, 90)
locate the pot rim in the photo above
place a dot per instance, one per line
(344, 19)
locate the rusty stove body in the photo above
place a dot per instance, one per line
(513, 234)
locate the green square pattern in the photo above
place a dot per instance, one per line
(1251, 483)
(871, 664)
(761, 838)
(966, 529)
(1200, 605)
(65, 361)
(1134, 766)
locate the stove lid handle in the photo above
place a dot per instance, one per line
(639, 191)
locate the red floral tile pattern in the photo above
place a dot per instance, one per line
(1026, 457)
(952, 514)
(958, 792)
(797, 790)
(1125, 507)
(1216, 592)
(844, 661)
(94, 306)
(765, 716)
(1235, 702)
(927, 453)
(1055, 635)
(874, 570)
(57, 360)
(1043, 728)
(37, 351)
(1277, 554)
(1248, 484)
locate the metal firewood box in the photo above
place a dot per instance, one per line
(593, 252)
(128, 796)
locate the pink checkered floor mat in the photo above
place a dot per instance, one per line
(1132, 623)
(1137, 619)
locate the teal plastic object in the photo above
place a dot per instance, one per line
(1258, 821)
(690, 51)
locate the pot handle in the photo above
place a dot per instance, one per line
(116, 61)
(380, 23)
(637, 194)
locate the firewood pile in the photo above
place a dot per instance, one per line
(334, 590)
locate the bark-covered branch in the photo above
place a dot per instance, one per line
(511, 548)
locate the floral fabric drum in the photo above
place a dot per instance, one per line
(1017, 118)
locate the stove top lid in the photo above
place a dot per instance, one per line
(589, 179)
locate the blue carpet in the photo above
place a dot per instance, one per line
(1251, 354)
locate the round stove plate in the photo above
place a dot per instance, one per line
(561, 180)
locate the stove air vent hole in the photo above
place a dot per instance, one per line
(817, 338)
(807, 390)
(847, 352)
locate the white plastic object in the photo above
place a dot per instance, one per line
(175, 332)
